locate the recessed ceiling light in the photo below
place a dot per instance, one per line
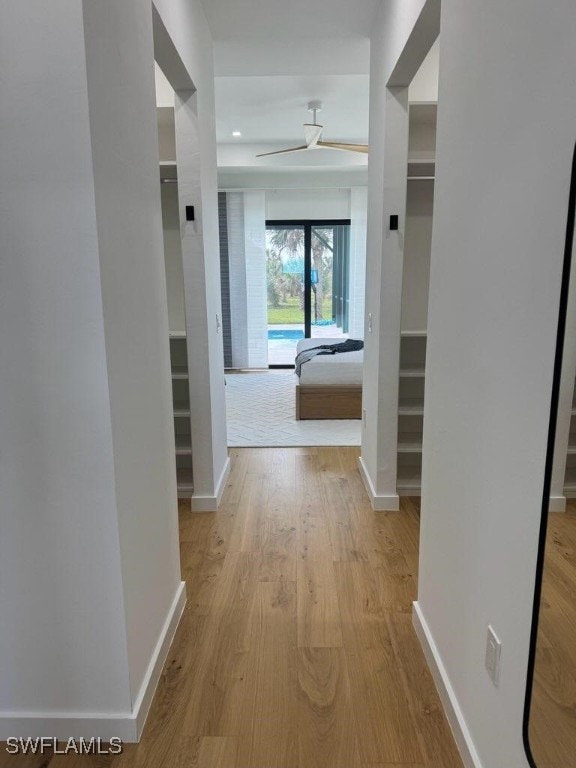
(236, 133)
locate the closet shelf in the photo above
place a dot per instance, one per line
(412, 373)
(181, 410)
(177, 334)
(183, 445)
(410, 407)
(409, 480)
(179, 373)
(184, 481)
(409, 442)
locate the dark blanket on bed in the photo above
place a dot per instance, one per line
(350, 345)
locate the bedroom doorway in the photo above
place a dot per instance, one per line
(307, 273)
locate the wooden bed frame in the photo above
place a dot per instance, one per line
(325, 402)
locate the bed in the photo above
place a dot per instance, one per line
(329, 386)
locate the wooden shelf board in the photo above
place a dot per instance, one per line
(177, 334)
(413, 334)
(181, 410)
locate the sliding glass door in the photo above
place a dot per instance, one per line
(307, 283)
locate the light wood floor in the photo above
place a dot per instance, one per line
(296, 648)
(553, 711)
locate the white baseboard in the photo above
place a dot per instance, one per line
(379, 502)
(557, 504)
(462, 736)
(141, 705)
(211, 503)
(125, 726)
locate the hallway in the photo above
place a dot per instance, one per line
(296, 648)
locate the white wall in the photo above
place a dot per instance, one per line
(504, 149)
(186, 25)
(89, 548)
(173, 258)
(417, 246)
(308, 204)
(393, 25)
(59, 550)
(424, 86)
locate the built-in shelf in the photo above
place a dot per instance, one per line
(412, 373)
(181, 411)
(183, 445)
(409, 480)
(410, 411)
(421, 169)
(184, 481)
(409, 442)
(410, 407)
(179, 372)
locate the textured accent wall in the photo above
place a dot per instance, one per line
(246, 232)
(225, 279)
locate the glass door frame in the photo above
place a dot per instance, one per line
(307, 225)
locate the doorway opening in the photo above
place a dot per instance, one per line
(307, 278)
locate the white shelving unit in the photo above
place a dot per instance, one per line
(411, 412)
(182, 424)
(421, 171)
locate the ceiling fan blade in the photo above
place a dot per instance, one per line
(312, 133)
(344, 147)
(284, 151)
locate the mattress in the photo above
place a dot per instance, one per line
(340, 370)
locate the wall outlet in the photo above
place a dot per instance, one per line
(493, 652)
(363, 417)
(369, 322)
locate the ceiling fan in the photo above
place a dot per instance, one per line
(312, 135)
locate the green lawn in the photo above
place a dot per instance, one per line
(290, 313)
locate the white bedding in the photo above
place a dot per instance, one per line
(341, 370)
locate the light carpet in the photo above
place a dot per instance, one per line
(261, 413)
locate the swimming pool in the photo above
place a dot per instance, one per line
(286, 333)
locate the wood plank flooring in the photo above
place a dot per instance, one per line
(296, 648)
(553, 710)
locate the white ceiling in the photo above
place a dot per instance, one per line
(273, 109)
(289, 19)
(274, 56)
